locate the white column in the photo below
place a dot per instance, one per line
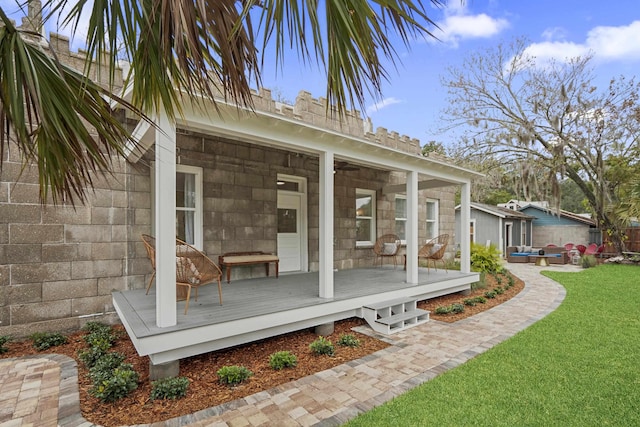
(465, 219)
(326, 225)
(165, 207)
(412, 227)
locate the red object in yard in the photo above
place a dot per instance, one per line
(568, 246)
(591, 250)
(581, 249)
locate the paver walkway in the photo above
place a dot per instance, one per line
(43, 390)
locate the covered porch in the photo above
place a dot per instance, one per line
(259, 308)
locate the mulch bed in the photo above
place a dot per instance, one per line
(204, 389)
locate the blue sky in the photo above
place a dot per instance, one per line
(413, 99)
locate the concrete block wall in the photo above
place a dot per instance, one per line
(59, 264)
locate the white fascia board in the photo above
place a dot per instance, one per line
(144, 137)
(286, 133)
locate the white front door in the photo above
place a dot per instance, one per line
(291, 231)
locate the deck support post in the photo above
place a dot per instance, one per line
(164, 370)
(325, 329)
(411, 231)
(326, 225)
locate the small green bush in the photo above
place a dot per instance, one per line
(348, 340)
(117, 384)
(498, 290)
(45, 340)
(453, 308)
(90, 356)
(169, 388)
(92, 327)
(490, 294)
(282, 359)
(485, 259)
(103, 338)
(510, 280)
(104, 365)
(457, 308)
(475, 300)
(233, 375)
(322, 346)
(443, 309)
(588, 261)
(3, 340)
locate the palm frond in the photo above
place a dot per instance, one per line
(56, 117)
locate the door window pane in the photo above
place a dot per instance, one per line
(287, 221)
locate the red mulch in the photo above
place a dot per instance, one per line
(205, 391)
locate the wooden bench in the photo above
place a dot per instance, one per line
(230, 259)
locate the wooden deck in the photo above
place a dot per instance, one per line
(258, 308)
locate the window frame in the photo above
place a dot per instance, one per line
(198, 240)
(435, 221)
(372, 237)
(403, 219)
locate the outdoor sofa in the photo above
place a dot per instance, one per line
(525, 254)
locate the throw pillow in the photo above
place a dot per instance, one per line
(389, 249)
(520, 248)
(186, 269)
(526, 249)
(435, 248)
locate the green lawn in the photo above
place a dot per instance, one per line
(579, 366)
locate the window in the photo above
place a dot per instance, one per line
(188, 204)
(365, 217)
(432, 218)
(472, 231)
(401, 218)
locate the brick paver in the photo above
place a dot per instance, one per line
(43, 390)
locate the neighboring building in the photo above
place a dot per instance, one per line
(561, 227)
(515, 205)
(499, 226)
(284, 179)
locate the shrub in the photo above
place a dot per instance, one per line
(92, 327)
(169, 388)
(475, 300)
(104, 365)
(453, 308)
(233, 375)
(443, 309)
(46, 340)
(485, 259)
(3, 340)
(490, 294)
(282, 359)
(348, 340)
(510, 280)
(457, 308)
(100, 336)
(90, 356)
(116, 384)
(322, 346)
(498, 290)
(588, 261)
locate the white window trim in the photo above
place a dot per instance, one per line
(523, 232)
(372, 237)
(403, 197)
(436, 220)
(473, 236)
(198, 231)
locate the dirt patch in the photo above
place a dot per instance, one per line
(205, 391)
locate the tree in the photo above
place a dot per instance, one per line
(552, 122)
(177, 50)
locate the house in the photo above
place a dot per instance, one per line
(283, 179)
(500, 226)
(560, 227)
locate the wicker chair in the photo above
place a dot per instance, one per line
(434, 251)
(193, 269)
(387, 246)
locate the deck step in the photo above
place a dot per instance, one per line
(392, 316)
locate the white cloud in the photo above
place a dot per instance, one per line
(458, 25)
(607, 44)
(382, 104)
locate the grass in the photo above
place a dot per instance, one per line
(576, 367)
